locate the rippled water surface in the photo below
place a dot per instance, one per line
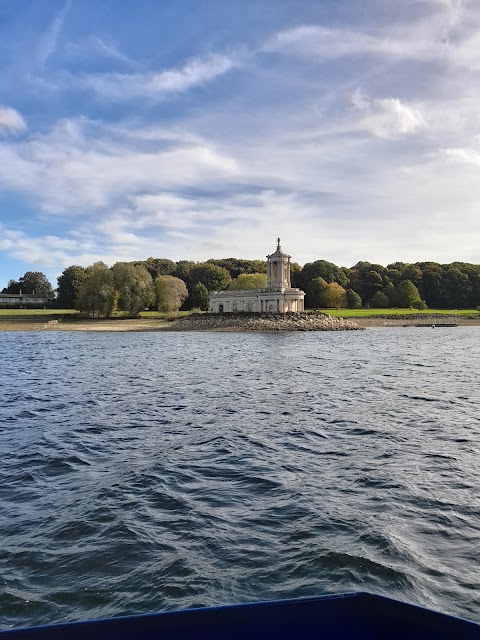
(150, 471)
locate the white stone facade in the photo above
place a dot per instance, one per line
(278, 297)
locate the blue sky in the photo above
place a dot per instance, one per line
(207, 128)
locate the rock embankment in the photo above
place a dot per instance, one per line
(263, 322)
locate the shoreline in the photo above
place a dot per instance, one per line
(141, 325)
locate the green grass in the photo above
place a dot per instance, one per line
(18, 313)
(363, 313)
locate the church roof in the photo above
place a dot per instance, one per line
(279, 253)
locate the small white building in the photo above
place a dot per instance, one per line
(22, 300)
(278, 297)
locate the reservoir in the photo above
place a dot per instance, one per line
(154, 471)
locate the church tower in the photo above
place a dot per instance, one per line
(277, 297)
(278, 270)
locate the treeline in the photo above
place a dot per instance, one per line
(419, 285)
(168, 286)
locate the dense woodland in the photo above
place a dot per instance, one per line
(168, 286)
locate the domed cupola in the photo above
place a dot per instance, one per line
(278, 270)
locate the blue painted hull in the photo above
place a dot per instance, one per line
(344, 616)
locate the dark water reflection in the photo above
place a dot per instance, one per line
(144, 472)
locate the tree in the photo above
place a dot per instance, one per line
(354, 301)
(368, 278)
(335, 296)
(97, 294)
(456, 287)
(236, 266)
(158, 266)
(183, 270)
(69, 284)
(407, 294)
(379, 301)
(296, 275)
(433, 286)
(389, 291)
(248, 281)
(134, 287)
(199, 297)
(170, 292)
(36, 282)
(316, 291)
(323, 269)
(213, 277)
(13, 287)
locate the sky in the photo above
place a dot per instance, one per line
(196, 129)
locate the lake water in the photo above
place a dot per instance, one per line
(151, 471)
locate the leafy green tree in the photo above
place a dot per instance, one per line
(354, 301)
(395, 270)
(97, 294)
(368, 278)
(456, 287)
(316, 293)
(12, 287)
(412, 272)
(171, 293)
(236, 266)
(134, 287)
(379, 300)
(389, 291)
(69, 283)
(248, 281)
(296, 273)
(420, 304)
(159, 266)
(335, 296)
(36, 282)
(213, 277)
(323, 269)
(407, 294)
(198, 298)
(183, 270)
(433, 285)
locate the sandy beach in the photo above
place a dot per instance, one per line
(141, 324)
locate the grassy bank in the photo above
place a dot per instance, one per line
(365, 313)
(54, 314)
(25, 313)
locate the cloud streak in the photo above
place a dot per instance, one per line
(156, 86)
(48, 41)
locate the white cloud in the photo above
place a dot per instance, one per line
(11, 120)
(44, 251)
(78, 166)
(386, 117)
(324, 43)
(223, 180)
(122, 86)
(461, 156)
(48, 41)
(447, 34)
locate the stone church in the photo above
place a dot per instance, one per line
(278, 297)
